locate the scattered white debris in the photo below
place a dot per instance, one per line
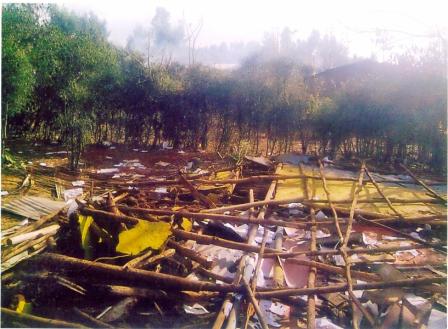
(161, 189)
(195, 309)
(43, 164)
(106, 143)
(107, 170)
(162, 164)
(181, 152)
(291, 232)
(368, 240)
(2, 193)
(20, 152)
(227, 308)
(165, 146)
(319, 234)
(72, 193)
(56, 152)
(72, 208)
(30, 162)
(143, 151)
(324, 323)
(112, 148)
(413, 252)
(295, 205)
(321, 216)
(135, 150)
(108, 157)
(78, 183)
(339, 260)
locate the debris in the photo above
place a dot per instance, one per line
(72, 193)
(162, 164)
(154, 246)
(32, 207)
(119, 311)
(107, 170)
(52, 229)
(165, 146)
(260, 161)
(195, 309)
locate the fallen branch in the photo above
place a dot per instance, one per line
(253, 300)
(197, 195)
(223, 218)
(193, 255)
(207, 239)
(97, 323)
(425, 186)
(57, 262)
(344, 287)
(348, 251)
(34, 319)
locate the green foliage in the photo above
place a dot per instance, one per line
(62, 79)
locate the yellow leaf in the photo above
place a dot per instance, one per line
(84, 225)
(144, 235)
(22, 305)
(186, 224)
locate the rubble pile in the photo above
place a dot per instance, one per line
(208, 245)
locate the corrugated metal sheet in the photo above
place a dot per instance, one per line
(32, 207)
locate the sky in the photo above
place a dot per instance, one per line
(353, 22)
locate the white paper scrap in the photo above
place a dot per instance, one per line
(196, 309)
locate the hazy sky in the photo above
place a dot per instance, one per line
(351, 21)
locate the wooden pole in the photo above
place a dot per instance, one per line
(336, 269)
(311, 302)
(425, 186)
(253, 300)
(277, 293)
(97, 323)
(193, 255)
(57, 262)
(34, 319)
(382, 194)
(348, 251)
(253, 179)
(207, 239)
(318, 203)
(327, 192)
(196, 194)
(252, 231)
(404, 234)
(217, 217)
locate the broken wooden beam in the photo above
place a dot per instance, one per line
(57, 262)
(34, 320)
(217, 217)
(421, 183)
(415, 282)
